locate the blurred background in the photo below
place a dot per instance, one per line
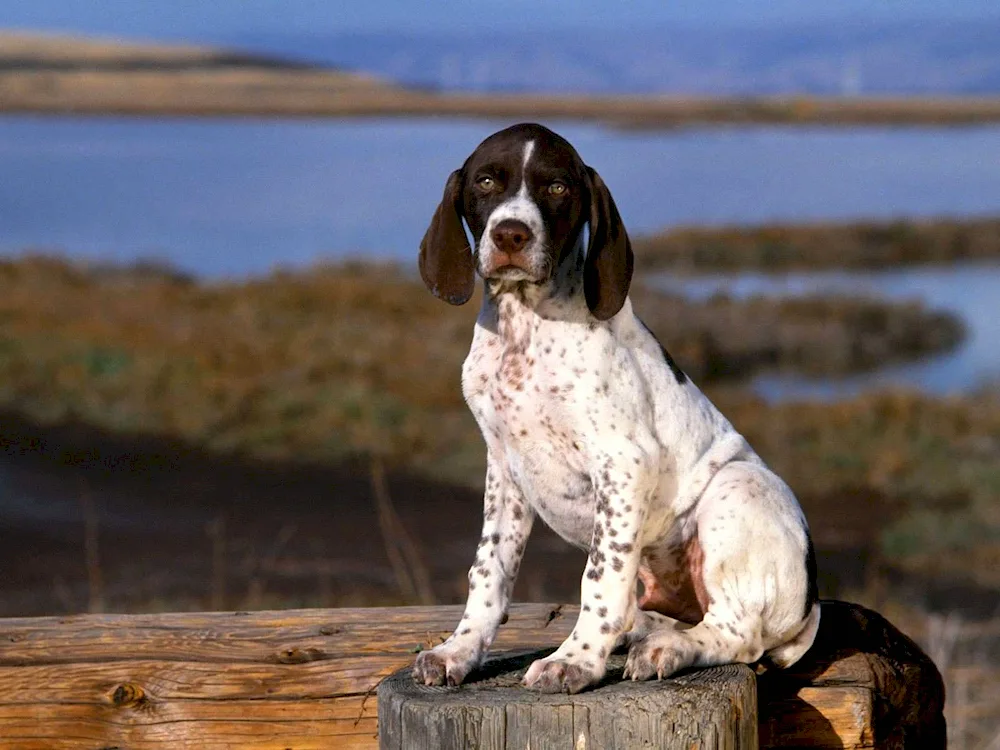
(222, 385)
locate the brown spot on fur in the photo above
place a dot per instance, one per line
(676, 588)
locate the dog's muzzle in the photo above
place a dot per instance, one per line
(508, 254)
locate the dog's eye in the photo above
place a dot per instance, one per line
(486, 183)
(557, 188)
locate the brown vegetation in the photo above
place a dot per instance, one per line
(359, 360)
(25, 51)
(724, 338)
(72, 77)
(350, 359)
(778, 247)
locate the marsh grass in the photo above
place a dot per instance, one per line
(783, 247)
(359, 359)
(351, 359)
(356, 360)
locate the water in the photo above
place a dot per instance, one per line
(970, 291)
(233, 197)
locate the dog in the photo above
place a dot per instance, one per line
(591, 425)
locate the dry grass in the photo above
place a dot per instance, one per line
(724, 338)
(322, 365)
(777, 247)
(23, 49)
(337, 361)
(919, 474)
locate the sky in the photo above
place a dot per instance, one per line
(226, 19)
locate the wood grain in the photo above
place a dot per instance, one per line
(708, 709)
(307, 679)
(292, 679)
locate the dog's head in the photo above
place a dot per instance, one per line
(526, 195)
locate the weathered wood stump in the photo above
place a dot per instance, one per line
(709, 708)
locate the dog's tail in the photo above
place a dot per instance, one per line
(792, 650)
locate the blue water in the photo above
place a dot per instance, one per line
(970, 291)
(230, 198)
(233, 198)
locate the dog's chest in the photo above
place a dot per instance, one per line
(525, 394)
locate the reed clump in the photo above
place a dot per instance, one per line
(348, 359)
(786, 247)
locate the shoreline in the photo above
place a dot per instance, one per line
(77, 75)
(311, 93)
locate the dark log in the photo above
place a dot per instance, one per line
(862, 684)
(709, 708)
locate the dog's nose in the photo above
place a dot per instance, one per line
(510, 236)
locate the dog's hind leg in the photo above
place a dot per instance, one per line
(756, 575)
(645, 623)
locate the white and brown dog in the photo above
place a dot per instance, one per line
(591, 425)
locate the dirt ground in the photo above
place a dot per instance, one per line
(128, 523)
(178, 529)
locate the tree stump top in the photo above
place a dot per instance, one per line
(709, 708)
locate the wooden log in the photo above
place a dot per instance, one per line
(709, 708)
(306, 679)
(862, 684)
(296, 679)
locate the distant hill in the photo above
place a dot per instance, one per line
(38, 52)
(555, 78)
(908, 58)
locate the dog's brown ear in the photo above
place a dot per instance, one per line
(607, 271)
(446, 263)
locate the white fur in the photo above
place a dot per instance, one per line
(588, 427)
(519, 208)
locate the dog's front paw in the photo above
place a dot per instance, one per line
(447, 664)
(649, 657)
(562, 675)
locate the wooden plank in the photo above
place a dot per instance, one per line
(862, 684)
(306, 678)
(96, 683)
(208, 724)
(270, 637)
(291, 679)
(818, 717)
